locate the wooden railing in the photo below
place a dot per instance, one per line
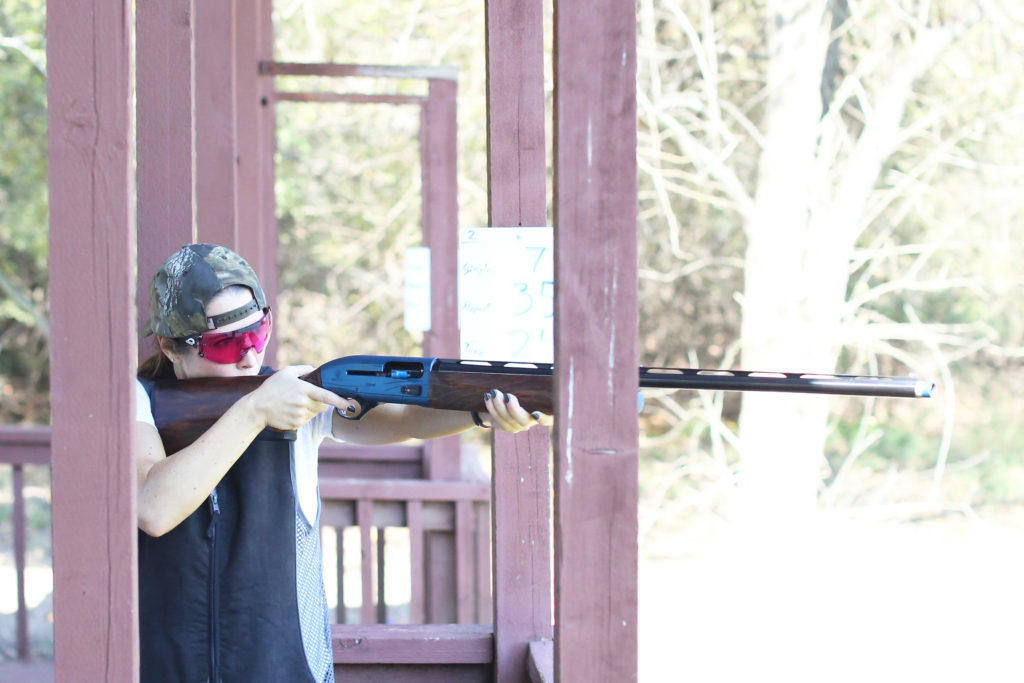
(20, 446)
(448, 523)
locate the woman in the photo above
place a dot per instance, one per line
(229, 562)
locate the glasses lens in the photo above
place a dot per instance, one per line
(231, 347)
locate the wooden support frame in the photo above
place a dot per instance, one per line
(520, 479)
(439, 179)
(595, 341)
(92, 292)
(165, 37)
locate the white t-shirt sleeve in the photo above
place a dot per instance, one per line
(307, 447)
(143, 408)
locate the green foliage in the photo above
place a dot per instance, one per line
(24, 367)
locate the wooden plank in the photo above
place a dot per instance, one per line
(24, 445)
(382, 605)
(340, 615)
(521, 547)
(412, 644)
(164, 138)
(541, 665)
(216, 177)
(464, 560)
(375, 462)
(482, 512)
(440, 593)
(364, 515)
(595, 341)
(18, 511)
(413, 673)
(442, 73)
(27, 672)
(341, 452)
(267, 145)
(92, 296)
(520, 463)
(414, 520)
(438, 149)
(247, 55)
(397, 489)
(350, 98)
(516, 163)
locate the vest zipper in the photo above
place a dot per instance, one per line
(211, 533)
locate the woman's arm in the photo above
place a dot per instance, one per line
(172, 487)
(389, 422)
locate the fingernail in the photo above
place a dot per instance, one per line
(487, 396)
(536, 415)
(506, 398)
(351, 409)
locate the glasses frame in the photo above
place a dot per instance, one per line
(197, 342)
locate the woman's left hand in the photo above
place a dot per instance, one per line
(507, 415)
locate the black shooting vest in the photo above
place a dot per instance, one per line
(217, 594)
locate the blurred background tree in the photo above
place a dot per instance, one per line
(24, 326)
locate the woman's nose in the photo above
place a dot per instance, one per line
(249, 358)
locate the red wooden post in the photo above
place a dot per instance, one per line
(266, 145)
(247, 41)
(414, 520)
(595, 341)
(93, 341)
(520, 470)
(18, 515)
(216, 177)
(364, 518)
(164, 56)
(440, 233)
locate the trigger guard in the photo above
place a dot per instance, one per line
(366, 406)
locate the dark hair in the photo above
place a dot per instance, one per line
(158, 366)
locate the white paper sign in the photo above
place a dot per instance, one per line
(417, 289)
(506, 294)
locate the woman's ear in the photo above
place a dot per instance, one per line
(167, 348)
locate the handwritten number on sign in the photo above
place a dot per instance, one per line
(521, 288)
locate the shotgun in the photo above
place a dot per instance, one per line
(184, 409)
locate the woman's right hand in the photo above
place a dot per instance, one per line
(286, 402)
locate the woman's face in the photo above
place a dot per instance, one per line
(190, 365)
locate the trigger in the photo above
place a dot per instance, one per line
(364, 408)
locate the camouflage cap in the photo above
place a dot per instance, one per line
(186, 282)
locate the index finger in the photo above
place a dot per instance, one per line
(332, 399)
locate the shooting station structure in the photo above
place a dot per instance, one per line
(482, 587)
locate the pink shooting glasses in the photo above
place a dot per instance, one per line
(231, 347)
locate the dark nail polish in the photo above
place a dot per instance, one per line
(506, 398)
(536, 415)
(351, 409)
(487, 396)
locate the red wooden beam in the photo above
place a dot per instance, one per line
(438, 149)
(216, 169)
(401, 489)
(350, 98)
(24, 445)
(520, 472)
(438, 73)
(595, 341)
(412, 644)
(93, 341)
(164, 139)
(251, 237)
(266, 145)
